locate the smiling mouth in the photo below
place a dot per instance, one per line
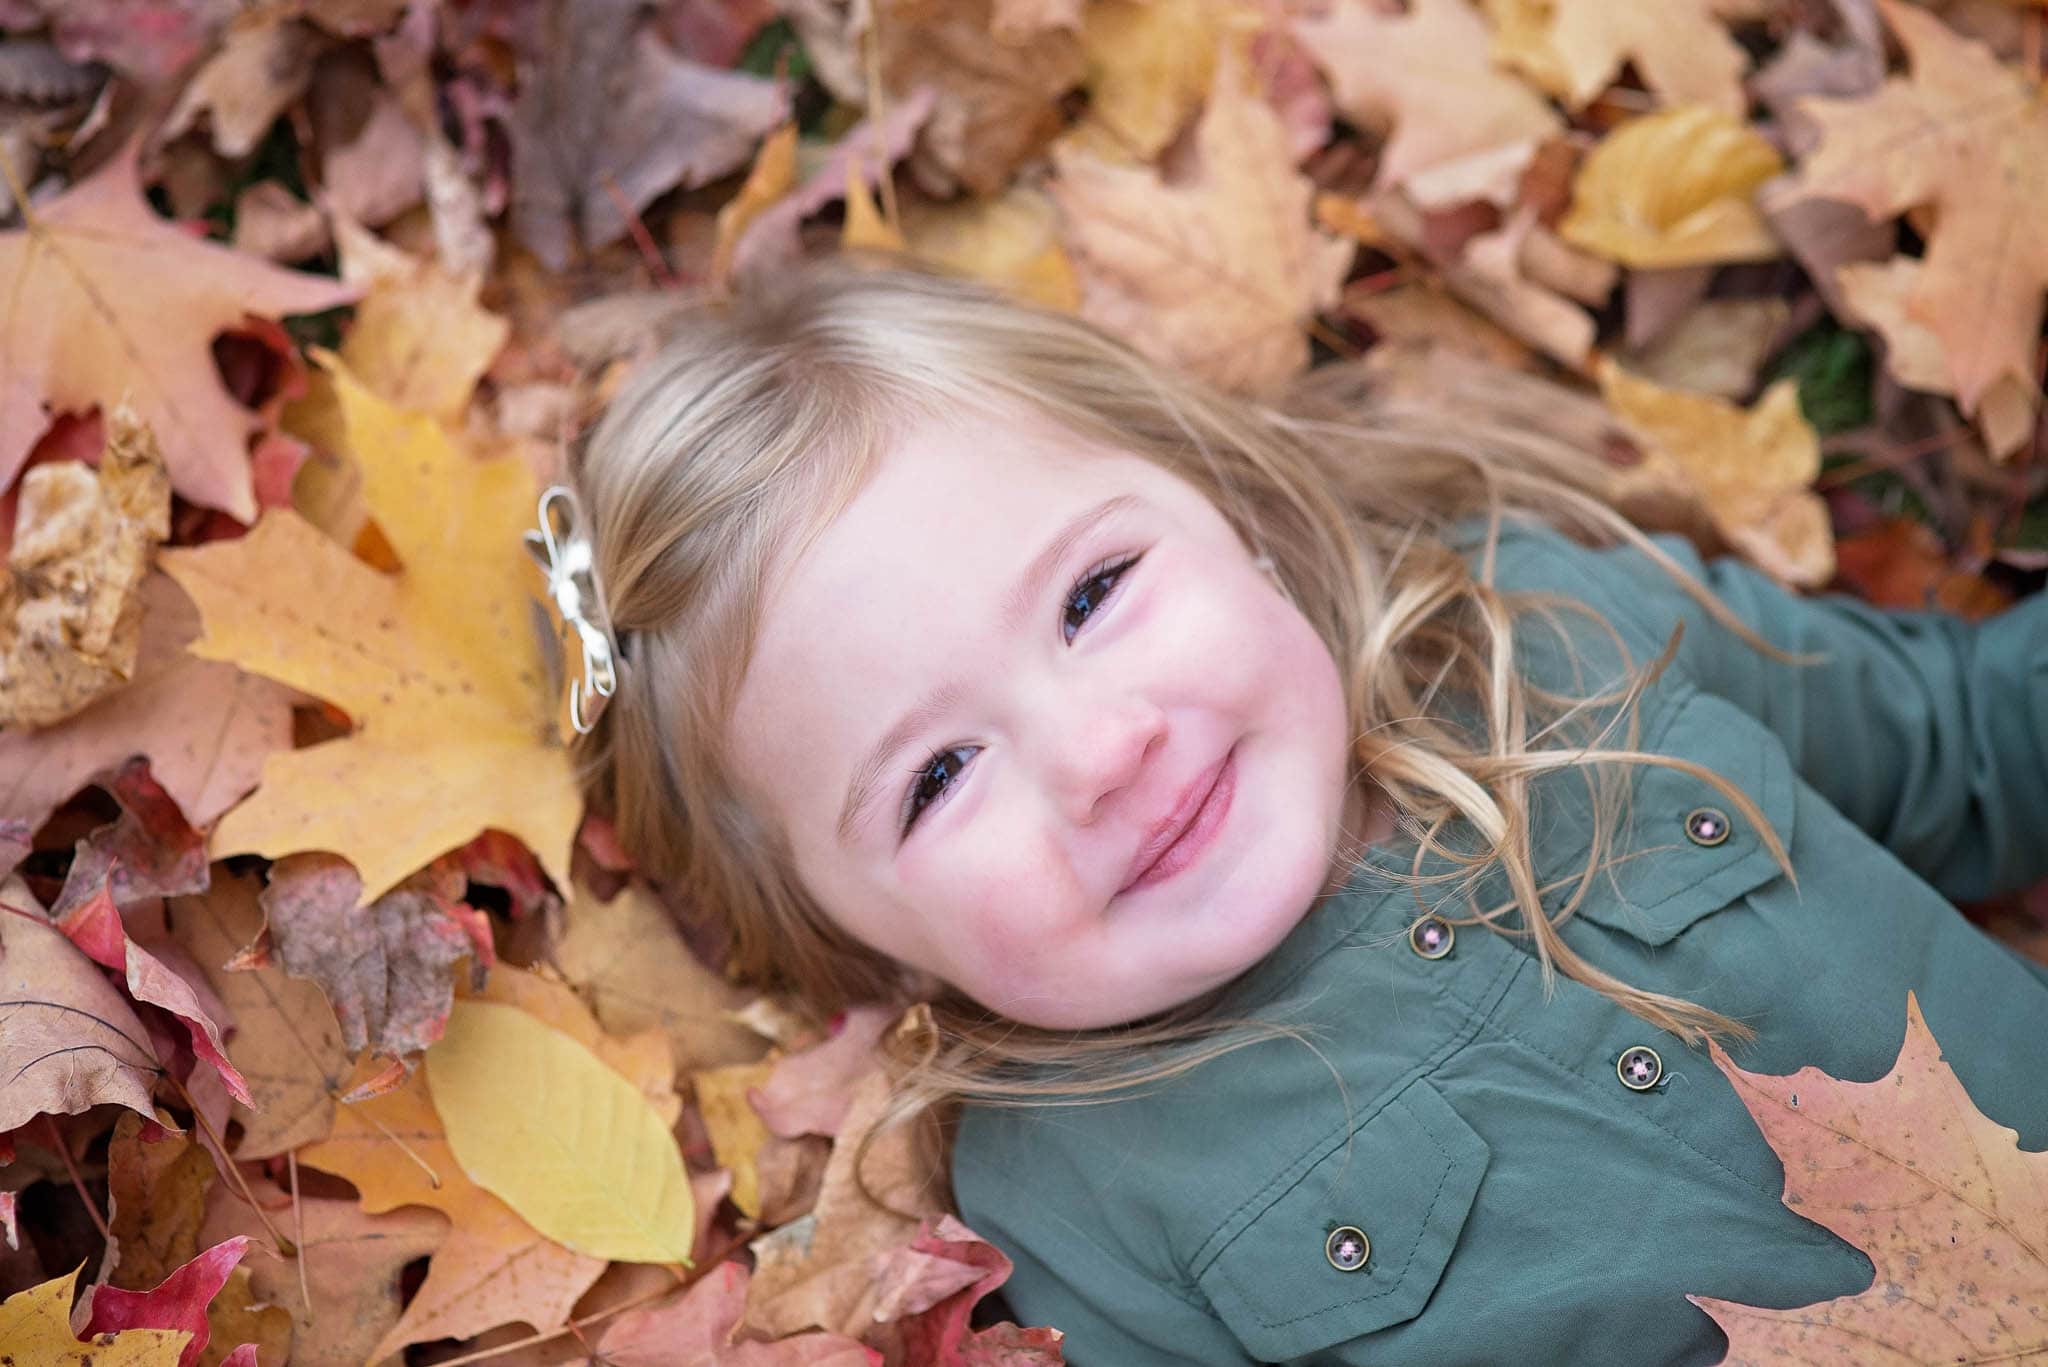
(1186, 844)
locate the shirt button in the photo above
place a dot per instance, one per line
(1639, 1068)
(1706, 825)
(1431, 937)
(1347, 1248)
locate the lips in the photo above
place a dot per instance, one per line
(1176, 823)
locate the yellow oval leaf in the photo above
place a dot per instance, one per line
(1674, 188)
(540, 1122)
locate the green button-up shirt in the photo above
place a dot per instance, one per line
(1522, 1201)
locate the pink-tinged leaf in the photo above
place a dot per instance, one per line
(819, 1349)
(177, 1302)
(691, 1329)
(244, 1356)
(809, 1091)
(931, 1288)
(1941, 1199)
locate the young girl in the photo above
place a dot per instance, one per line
(1328, 836)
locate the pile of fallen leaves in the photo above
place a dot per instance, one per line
(334, 1031)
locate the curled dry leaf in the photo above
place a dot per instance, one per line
(69, 1041)
(70, 609)
(1574, 48)
(1938, 1196)
(1675, 188)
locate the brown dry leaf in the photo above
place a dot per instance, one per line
(494, 1268)
(818, 1271)
(385, 966)
(1753, 468)
(996, 104)
(156, 1200)
(1938, 1196)
(420, 339)
(204, 726)
(286, 1041)
(1218, 271)
(70, 607)
(629, 961)
(239, 1315)
(261, 69)
(1491, 277)
(1423, 310)
(1675, 188)
(1428, 73)
(1574, 48)
(439, 664)
(352, 1266)
(70, 1041)
(1879, 295)
(1715, 348)
(610, 117)
(111, 302)
(1968, 138)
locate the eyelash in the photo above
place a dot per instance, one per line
(1112, 570)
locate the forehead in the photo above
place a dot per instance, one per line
(898, 589)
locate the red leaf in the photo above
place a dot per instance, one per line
(177, 1302)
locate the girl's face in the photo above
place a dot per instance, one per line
(992, 689)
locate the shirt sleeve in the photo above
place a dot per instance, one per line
(1928, 731)
(1113, 1313)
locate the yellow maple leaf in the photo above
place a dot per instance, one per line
(102, 300)
(1574, 48)
(1220, 271)
(1674, 188)
(1939, 1197)
(1968, 137)
(35, 1327)
(1753, 469)
(438, 665)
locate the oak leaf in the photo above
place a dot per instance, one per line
(107, 302)
(1967, 137)
(1430, 75)
(1674, 188)
(1939, 1197)
(438, 664)
(36, 1326)
(1219, 270)
(1574, 48)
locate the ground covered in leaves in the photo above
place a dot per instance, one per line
(334, 1031)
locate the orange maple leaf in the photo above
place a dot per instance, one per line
(1942, 1200)
(438, 665)
(1968, 137)
(104, 301)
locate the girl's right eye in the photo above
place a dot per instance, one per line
(931, 780)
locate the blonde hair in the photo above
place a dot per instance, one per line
(760, 418)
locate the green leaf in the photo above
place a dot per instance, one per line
(541, 1123)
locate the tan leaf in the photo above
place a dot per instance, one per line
(70, 609)
(1423, 310)
(1575, 48)
(1716, 348)
(1218, 271)
(1940, 1198)
(738, 1134)
(1430, 75)
(156, 1200)
(1753, 469)
(111, 302)
(1968, 138)
(1150, 63)
(1010, 240)
(420, 339)
(1675, 188)
(261, 69)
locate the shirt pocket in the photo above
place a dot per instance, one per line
(1404, 1179)
(1694, 851)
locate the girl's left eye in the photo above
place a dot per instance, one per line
(930, 782)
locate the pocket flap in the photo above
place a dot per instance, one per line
(1406, 1178)
(1665, 891)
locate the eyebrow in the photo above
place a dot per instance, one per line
(1027, 589)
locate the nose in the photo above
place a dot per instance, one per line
(1099, 751)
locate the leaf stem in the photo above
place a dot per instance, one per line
(233, 1169)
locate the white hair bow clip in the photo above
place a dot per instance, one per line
(561, 547)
